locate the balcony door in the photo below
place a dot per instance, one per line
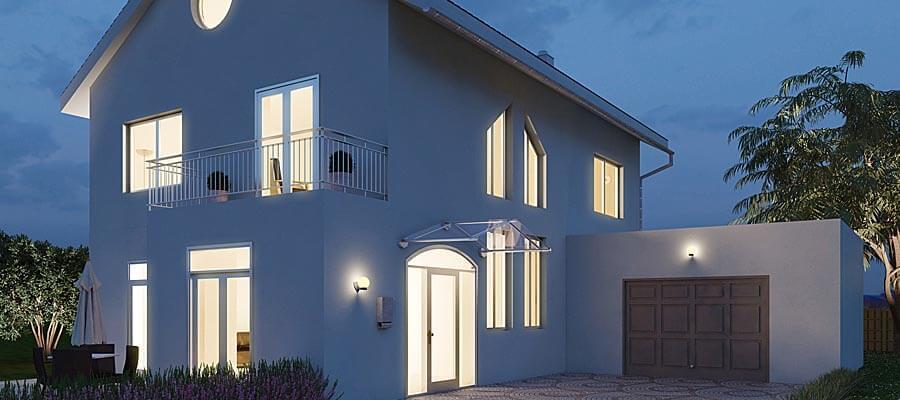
(286, 118)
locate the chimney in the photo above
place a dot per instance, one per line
(544, 55)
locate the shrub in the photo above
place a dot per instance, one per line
(282, 379)
(835, 385)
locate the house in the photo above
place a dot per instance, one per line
(415, 202)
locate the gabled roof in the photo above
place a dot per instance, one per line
(75, 98)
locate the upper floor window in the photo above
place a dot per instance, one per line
(496, 157)
(209, 14)
(535, 168)
(147, 140)
(607, 187)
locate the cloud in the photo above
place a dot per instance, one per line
(531, 22)
(22, 141)
(51, 72)
(11, 6)
(650, 18)
(59, 184)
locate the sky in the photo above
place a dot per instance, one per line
(690, 69)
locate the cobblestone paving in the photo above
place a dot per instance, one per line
(596, 387)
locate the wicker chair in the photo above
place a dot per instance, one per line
(72, 364)
(37, 356)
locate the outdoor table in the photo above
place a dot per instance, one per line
(103, 363)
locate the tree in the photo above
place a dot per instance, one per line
(37, 289)
(830, 150)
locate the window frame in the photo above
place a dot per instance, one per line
(527, 321)
(491, 167)
(129, 334)
(492, 321)
(599, 187)
(532, 141)
(126, 145)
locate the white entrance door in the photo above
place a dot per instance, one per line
(221, 319)
(443, 316)
(440, 321)
(287, 115)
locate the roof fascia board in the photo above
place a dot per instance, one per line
(463, 23)
(75, 99)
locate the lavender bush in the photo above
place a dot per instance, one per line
(282, 379)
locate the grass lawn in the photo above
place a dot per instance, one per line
(879, 378)
(15, 357)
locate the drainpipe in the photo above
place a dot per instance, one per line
(647, 175)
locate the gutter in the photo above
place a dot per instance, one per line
(662, 168)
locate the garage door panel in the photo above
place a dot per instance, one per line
(642, 351)
(712, 328)
(675, 352)
(709, 318)
(642, 318)
(745, 354)
(675, 318)
(671, 292)
(710, 353)
(641, 292)
(710, 290)
(745, 318)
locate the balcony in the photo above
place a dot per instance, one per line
(320, 159)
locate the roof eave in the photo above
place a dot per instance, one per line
(463, 23)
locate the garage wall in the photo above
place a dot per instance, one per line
(815, 271)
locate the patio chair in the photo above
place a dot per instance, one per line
(276, 180)
(131, 360)
(105, 348)
(72, 364)
(37, 355)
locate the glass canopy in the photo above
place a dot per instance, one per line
(518, 239)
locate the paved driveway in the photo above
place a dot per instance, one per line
(595, 387)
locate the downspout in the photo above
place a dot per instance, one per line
(647, 175)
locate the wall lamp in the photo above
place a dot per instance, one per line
(361, 283)
(691, 251)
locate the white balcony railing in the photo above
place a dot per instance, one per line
(320, 159)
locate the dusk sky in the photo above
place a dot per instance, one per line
(688, 68)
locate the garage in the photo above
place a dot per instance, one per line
(704, 328)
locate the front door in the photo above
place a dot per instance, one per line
(287, 116)
(443, 317)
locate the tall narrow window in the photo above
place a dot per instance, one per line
(534, 285)
(496, 281)
(154, 139)
(535, 167)
(137, 321)
(607, 188)
(496, 157)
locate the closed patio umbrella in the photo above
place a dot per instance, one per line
(89, 319)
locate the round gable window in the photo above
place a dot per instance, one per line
(210, 13)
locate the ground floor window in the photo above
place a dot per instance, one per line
(533, 278)
(137, 313)
(220, 306)
(497, 281)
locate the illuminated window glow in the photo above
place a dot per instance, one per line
(137, 327)
(607, 188)
(209, 14)
(496, 282)
(535, 167)
(496, 157)
(159, 138)
(533, 288)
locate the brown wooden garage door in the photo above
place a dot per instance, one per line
(710, 328)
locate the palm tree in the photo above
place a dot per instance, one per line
(831, 149)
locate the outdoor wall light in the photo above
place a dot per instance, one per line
(691, 251)
(361, 283)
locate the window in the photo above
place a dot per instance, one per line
(607, 188)
(137, 312)
(535, 168)
(497, 278)
(533, 287)
(153, 139)
(209, 14)
(496, 157)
